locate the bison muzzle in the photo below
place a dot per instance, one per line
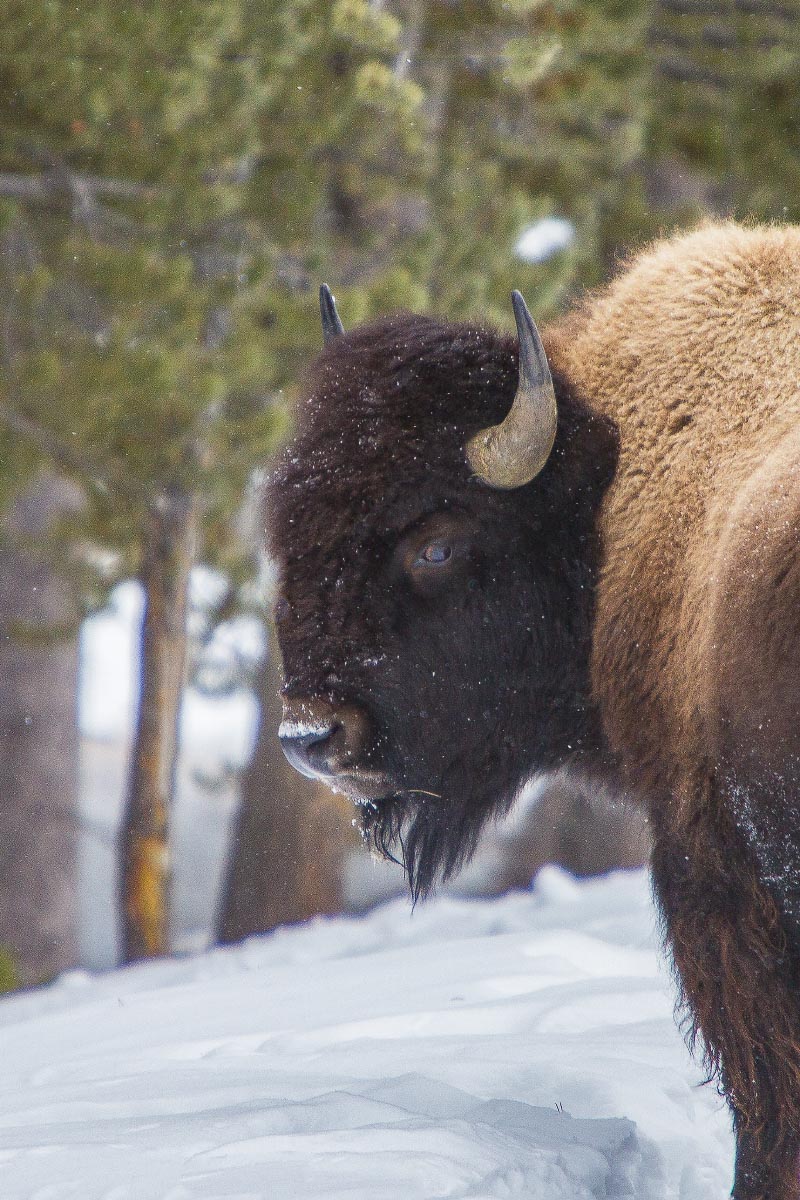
(502, 555)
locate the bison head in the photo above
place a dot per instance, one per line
(435, 628)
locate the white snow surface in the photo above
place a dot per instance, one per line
(398, 1056)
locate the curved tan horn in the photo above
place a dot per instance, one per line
(513, 453)
(331, 322)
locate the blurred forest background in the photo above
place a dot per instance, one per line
(175, 182)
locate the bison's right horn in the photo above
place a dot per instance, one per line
(513, 453)
(331, 322)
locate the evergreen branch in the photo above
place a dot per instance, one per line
(712, 37)
(721, 8)
(691, 8)
(679, 71)
(766, 8)
(48, 186)
(70, 458)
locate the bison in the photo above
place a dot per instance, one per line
(502, 555)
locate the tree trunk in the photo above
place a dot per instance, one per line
(291, 835)
(145, 858)
(38, 743)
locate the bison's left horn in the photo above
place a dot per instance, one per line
(513, 453)
(331, 322)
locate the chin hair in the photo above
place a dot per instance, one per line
(430, 838)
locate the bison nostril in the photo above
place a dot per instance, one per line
(321, 739)
(305, 745)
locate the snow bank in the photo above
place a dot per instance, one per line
(518, 1047)
(544, 238)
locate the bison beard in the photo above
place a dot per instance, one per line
(436, 836)
(433, 845)
(633, 603)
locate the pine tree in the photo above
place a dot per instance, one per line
(132, 359)
(726, 112)
(533, 109)
(173, 185)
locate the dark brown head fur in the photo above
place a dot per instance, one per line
(472, 676)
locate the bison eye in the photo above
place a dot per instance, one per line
(435, 554)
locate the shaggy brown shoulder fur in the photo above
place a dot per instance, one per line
(695, 354)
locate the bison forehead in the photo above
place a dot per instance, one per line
(362, 443)
(406, 376)
(382, 425)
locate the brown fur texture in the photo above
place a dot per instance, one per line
(695, 353)
(637, 605)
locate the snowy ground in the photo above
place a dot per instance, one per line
(407, 1056)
